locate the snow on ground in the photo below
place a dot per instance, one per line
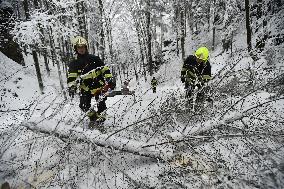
(17, 90)
(61, 163)
(50, 110)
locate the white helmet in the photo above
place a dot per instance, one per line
(79, 41)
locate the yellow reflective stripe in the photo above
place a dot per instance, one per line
(101, 82)
(206, 77)
(154, 82)
(189, 80)
(87, 76)
(99, 116)
(183, 69)
(108, 75)
(105, 68)
(91, 114)
(189, 73)
(72, 75)
(91, 74)
(84, 87)
(95, 91)
(95, 73)
(72, 83)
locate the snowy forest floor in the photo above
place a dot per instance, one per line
(236, 143)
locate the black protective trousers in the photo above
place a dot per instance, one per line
(202, 93)
(154, 89)
(85, 102)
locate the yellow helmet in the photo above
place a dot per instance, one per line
(202, 53)
(79, 41)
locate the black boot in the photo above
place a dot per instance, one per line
(92, 117)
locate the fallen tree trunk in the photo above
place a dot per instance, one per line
(95, 137)
(200, 128)
(218, 122)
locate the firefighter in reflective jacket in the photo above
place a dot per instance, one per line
(196, 71)
(154, 84)
(95, 78)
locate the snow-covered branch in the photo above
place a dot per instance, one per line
(88, 136)
(218, 122)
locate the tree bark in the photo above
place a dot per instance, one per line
(248, 27)
(149, 38)
(34, 53)
(36, 4)
(46, 62)
(176, 28)
(182, 24)
(80, 18)
(102, 34)
(45, 58)
(26, 9)
(141, 40)
(214, 28)
(84, 22)
(55, 61)
(87, 136)
(110, 39)
(40, 83)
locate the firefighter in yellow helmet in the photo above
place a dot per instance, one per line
(95, 78)
(196, 71)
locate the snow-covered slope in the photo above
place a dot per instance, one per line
(18, 89)
(222, 146)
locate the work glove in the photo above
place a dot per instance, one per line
(103, 90)
(190, 88)
(110, 83)
(72, 91)
(200, 79)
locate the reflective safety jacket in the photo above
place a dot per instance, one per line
(154, 82)
(91, 72)
(193, 71)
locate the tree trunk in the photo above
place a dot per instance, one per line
(162, 34)
(213, 41)
(214, 28)
(109, 35)
(40, 83)
(142, 44)
(176, 28)
(34, 53)
(141, 49)
(182, 24)
(55, 61)
(185, 9)
(68, 56)
(102, 34)
(248, 27)
(149, 38)
(46, 62)
(36, 4)
(81, 10)
(85, 25)
(136, 73)
(104, 140)
(232, 37)
(259, 11)
(60, 78)
(26, 9)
